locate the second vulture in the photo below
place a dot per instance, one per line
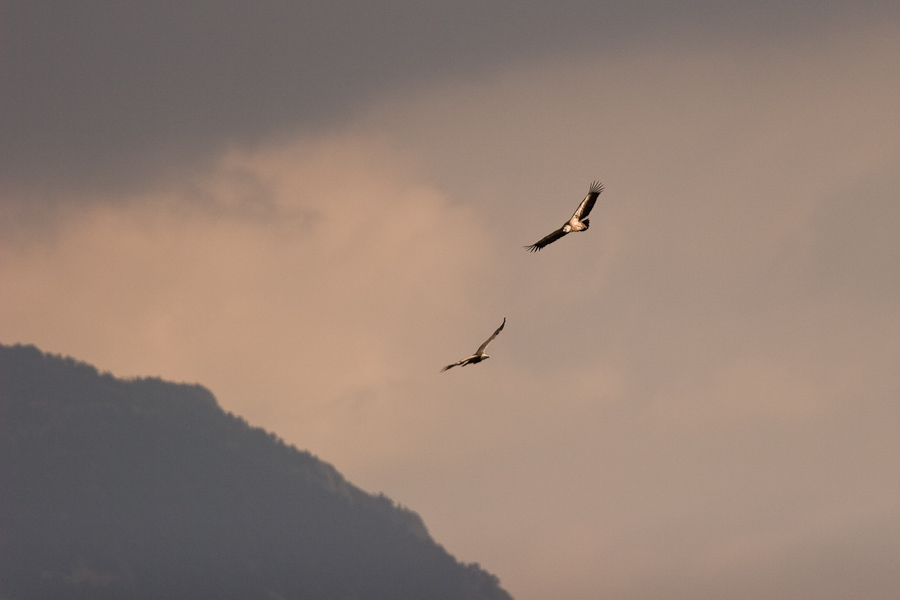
(479, 354)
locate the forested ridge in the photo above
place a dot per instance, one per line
(144, 489)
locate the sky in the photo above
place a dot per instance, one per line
(310, 208)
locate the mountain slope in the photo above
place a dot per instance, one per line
(143, 489)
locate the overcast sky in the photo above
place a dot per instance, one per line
(310, 208)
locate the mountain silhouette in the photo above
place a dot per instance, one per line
(147, 490)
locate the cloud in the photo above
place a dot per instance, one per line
(736, 285)
(324, 258)
(110, 96)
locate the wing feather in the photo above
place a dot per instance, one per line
(584, 209)
(548, 239)
(491, 339)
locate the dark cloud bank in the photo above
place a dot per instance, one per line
(99, 95)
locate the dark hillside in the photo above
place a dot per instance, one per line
(142, 489)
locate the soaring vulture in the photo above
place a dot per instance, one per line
(578, 222)
(479, 354)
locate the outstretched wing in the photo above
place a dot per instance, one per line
(491, 339)
(549, 239)
(584, 209)
(462, 362)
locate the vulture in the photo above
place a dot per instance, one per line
(479, 354)
(578, 222)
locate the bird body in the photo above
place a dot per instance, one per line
(479, 354)
(578, 222)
